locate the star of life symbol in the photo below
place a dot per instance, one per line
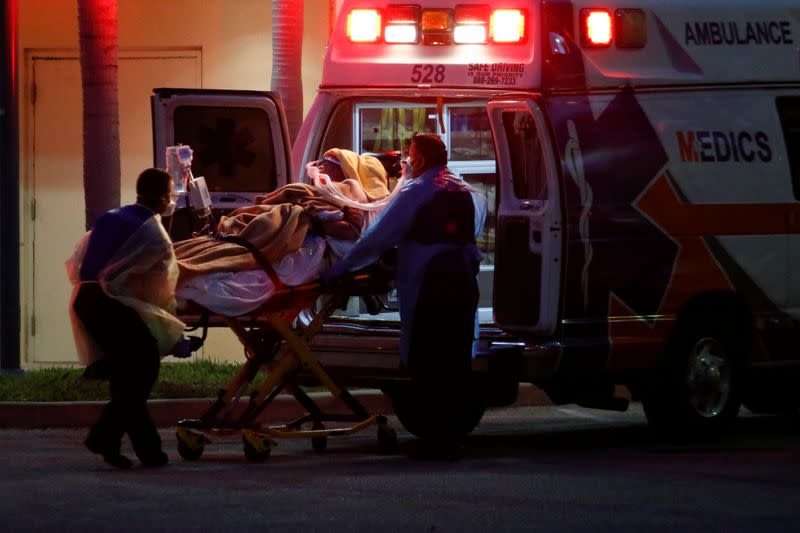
(574, 160)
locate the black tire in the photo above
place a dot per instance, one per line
(189, 453)
(387, 439)
(698, 388)
(430, 416)
(253, 454)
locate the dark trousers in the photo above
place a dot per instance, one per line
(441, 402)
(131, 365)
(440, 347)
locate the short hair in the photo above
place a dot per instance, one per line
(432, 148)
(152, 184)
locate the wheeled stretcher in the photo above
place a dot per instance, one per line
(276, 342)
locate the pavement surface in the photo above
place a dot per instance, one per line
(526, 469)
(166, 413)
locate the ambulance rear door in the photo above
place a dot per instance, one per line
(528, 235)
(239, 140)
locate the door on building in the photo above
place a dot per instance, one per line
(54, 176)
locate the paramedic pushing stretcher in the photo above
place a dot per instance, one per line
(123, 315)
(433, 221)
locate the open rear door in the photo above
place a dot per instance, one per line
(528, 236)
(239, 140)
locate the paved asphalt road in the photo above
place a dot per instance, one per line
(540, 468)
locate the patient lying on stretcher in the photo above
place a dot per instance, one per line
(292, 227)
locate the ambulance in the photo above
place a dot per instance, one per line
(642, 164)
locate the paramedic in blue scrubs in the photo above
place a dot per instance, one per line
(433, 221)
(131, 361)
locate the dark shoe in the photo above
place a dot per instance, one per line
(114, 458)
(154, 460)
(118, 460)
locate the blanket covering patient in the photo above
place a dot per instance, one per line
(290, 226)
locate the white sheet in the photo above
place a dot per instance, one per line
(239, 293)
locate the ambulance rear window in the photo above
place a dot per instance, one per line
(381, 127)
(789, 113)
(384, 129)
(527, 158)
(470, 134)
(233, 147)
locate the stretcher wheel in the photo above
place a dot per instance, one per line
(190, 445)
(256, 448)
(319, 444)
(387, 439)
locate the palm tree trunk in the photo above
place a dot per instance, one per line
(97, 22)
(287, 49)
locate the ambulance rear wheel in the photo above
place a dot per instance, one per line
(698, 388)
(431, 420)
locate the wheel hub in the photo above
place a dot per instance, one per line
(708, 377)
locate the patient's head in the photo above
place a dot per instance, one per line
(332, 168)
(342, 165)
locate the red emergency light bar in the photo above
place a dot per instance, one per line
(410, 24)
(471, 24)
(628, 28)
(402, 24)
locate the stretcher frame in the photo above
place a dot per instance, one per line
(280, 345)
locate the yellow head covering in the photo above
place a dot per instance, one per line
(366, 169)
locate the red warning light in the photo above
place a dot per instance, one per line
(472, 23)
(596, 29)
(364, 25)
(507, 26)
(402, 23)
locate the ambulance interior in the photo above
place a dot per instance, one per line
(384, 129)
(234, 138)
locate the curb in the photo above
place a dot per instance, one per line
(165, 413)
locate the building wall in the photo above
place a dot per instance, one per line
(234, 35)
(233, 38)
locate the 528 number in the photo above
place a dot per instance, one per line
(427, 73)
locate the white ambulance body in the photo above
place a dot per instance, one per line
(642, 161)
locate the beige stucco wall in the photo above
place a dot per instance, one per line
(234, 35)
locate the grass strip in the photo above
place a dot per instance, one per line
(192, 379)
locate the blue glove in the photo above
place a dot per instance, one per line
(184, 347)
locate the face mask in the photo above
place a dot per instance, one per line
(170, 209)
